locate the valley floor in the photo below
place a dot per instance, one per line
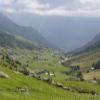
(21, 87)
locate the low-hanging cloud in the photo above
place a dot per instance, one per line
(52, 7)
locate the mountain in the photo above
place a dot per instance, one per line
(8, 40)
(87, 55)
(27, 32)
(66, 32)
(71, 33)
(91, 45)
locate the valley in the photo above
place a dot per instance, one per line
(25, 86)
(31, 68)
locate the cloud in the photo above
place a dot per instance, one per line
(5, 2)
(52, 7)
(32, 4)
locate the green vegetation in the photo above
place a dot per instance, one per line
(20, 86)
(92, 74)
(8, 40)
(88, 60)
(31, 71)
(23, 87)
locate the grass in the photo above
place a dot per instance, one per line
(37, 90)
(85, 60)
(92, 74)
(52, 63)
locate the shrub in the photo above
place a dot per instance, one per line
(80, 75)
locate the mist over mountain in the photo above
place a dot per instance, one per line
(29, 33)
(49, 49)
(91, 45)
(11, 41)
(67, 33)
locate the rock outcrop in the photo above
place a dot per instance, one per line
(3, 75)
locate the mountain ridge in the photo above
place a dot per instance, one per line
(94, 43)
(10, 41)
(27, 32)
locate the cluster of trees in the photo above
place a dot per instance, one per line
(8, 61)
(75, 73)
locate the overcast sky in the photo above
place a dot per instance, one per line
(52, 7)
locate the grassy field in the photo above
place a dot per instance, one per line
(92, 74)
(86, 59)
(39, 90)
(51, 63)
(36, 89)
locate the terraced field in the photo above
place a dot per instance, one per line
(92, 74)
